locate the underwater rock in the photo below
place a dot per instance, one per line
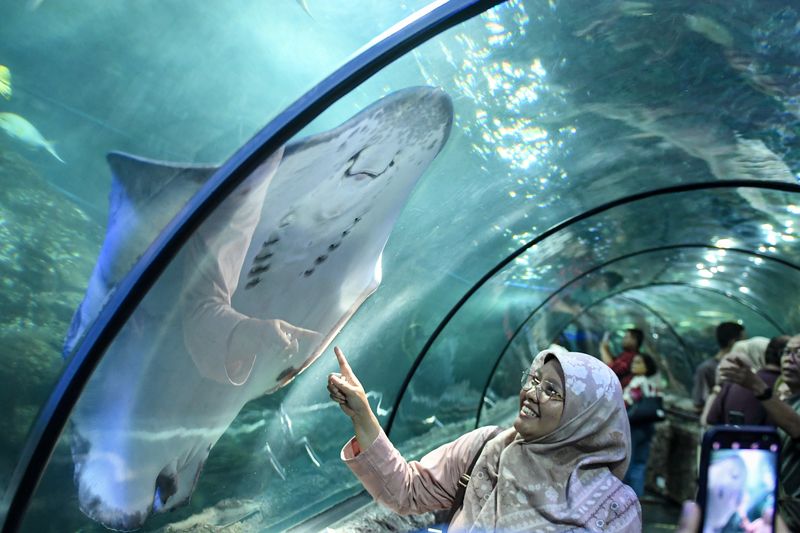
(230, 514)
(47, 248)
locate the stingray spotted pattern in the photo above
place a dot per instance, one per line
(300, 240)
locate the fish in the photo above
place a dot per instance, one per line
(22, 130)
(5, 82)
(300, 240)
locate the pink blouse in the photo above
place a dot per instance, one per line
(414, 487)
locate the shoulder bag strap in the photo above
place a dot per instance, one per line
(463, 481)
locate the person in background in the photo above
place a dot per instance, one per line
(736, 404)
(705, 375)
(621, 364)
(642, 385)
(751, 351)
(559, 468)
(786, 416)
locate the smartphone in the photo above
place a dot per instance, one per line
(738, 485)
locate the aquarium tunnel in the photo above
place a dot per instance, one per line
(199, 200)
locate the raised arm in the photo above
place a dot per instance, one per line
(345, 389)
(406, 487)
(605, 350)
(738, 371)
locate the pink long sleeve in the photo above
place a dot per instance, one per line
(413, 487)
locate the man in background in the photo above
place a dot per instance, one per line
(705, 376)
(621, 364)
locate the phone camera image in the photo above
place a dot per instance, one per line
(740, 491)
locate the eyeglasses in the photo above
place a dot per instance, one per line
(547, 389)
(792, 352)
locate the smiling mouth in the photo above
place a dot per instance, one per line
(530, 410)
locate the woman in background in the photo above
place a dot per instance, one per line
(642, 385)
(750, 351)
(736, 404)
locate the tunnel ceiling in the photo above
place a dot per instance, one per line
(609, 164)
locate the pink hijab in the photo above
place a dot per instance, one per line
(567, 480)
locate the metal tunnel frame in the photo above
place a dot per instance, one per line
(378, 53)
(675, 189)
(655, 250)
(622, 292)
(656, 283)
(605, 264)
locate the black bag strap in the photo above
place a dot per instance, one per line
(463, 481)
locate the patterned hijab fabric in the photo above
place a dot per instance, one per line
(568, 480)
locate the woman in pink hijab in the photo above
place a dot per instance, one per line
(559, 468)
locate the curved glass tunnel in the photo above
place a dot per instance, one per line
(538, 173)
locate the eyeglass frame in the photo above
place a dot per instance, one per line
(792, 354)
(532, 381)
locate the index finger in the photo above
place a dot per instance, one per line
(343, 364)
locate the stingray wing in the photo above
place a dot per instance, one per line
(300, 240)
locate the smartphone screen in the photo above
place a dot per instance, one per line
(739, 479)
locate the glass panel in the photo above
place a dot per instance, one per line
(252, 299)
(174, 81)
(481, 329)
(554, 115)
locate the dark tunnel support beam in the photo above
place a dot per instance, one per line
(610, 262)
(55, 412)
(516, 332)
(675, 189)
(740, 301)
(620, 293)
(666, 322)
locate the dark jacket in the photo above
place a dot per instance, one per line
(737, 399)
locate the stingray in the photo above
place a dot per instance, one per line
(300, 240)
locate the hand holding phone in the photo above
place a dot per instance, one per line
(739, 468)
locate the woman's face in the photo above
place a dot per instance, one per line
(726, 482)
(538, 414)
(638, 367)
